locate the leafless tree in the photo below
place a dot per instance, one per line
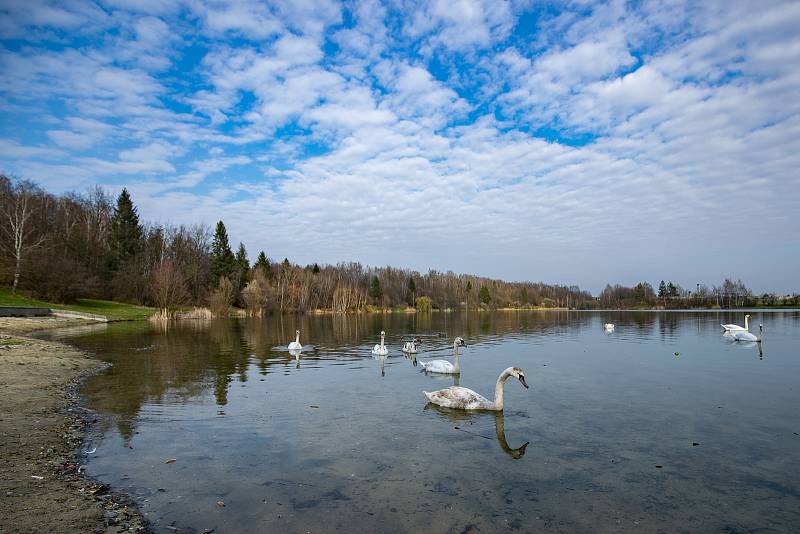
(167, 287)
(19, 207)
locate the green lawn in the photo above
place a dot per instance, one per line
(115, 311)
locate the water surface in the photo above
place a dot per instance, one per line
(623, 433)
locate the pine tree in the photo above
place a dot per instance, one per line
(524, 296)
(375, 289)
(412, 288)
(262, 262)
(672, 291)
(662, 290)
(484, 295)
(126, 232)
(242, 265)
(315, 269)
(223, 262)
(469, 290)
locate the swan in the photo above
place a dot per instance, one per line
(609, 327)
(295, 345)
(744, 335)
(736, 327)
(381, 349)
(410, 347)
(466, 399)
(443, 366)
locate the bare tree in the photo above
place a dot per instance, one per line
(19, 207)
(167, 287)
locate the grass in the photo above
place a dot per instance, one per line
(114, 311)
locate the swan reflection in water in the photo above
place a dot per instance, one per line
(459, 416)
(296, 354)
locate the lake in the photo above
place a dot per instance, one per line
(662, 425)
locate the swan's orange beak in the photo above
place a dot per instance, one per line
(522, 379)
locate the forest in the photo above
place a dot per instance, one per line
(63, 247)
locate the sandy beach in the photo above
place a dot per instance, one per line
(42, 430)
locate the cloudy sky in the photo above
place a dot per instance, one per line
(570, 142)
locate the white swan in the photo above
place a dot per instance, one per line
(736, 327)
(743, 335)
(609, 327)
(443, 366)
(410, 347)
(295, 345)
(466, 399)
(381, 349)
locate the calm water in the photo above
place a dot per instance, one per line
(340, 441)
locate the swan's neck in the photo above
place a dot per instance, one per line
(746, 324)
(456, 368)
(297, 338)
(498, 390)
(382, 345)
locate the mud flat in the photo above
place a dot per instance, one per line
(41, 433)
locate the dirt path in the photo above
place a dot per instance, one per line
(40, 432)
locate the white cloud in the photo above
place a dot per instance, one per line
(421, 133)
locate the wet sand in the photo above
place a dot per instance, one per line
(41, 433)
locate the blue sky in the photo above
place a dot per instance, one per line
(571, 142)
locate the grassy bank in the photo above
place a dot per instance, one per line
(114, 311)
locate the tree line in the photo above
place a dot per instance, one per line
(63, 247)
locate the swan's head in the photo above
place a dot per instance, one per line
(746, 316)
(460, 342)
(517, 372)
(383, 334)
(297, 332)
(417, 339)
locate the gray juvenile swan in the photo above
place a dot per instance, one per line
(466, 399)
(443, 366)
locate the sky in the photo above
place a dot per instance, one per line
(569, 142)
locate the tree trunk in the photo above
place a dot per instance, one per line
(16, 276)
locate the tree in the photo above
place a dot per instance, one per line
(412, 288)
(315, 269)
(484, 295)
(222, 297)
(223, 262)
(242, 265)
(662, 290)
(167, 287)
(253, 297)
(672, 291)
(18, 208)
(375, 289)
(126, 231)
(263, 263)
(423, 304)
(524, 297)
(469, 290)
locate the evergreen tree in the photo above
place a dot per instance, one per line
(242, 265)
(126, 231)
(315, 269)
(672, 291)
(484, 295)
(412, 288)
(662, 290)
(262, 262)
(375, 289)
(524, 296)
(223, 262)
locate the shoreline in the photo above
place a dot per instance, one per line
(43, 428)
